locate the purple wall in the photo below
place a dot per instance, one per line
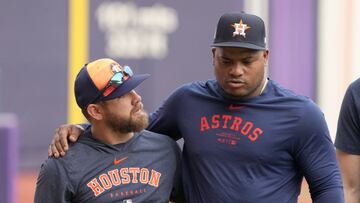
(33, 70)
(8, 157)
(293, 44)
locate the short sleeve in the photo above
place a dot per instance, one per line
(348, 130)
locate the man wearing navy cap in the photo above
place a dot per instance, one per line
(246, 138)
(116, 160)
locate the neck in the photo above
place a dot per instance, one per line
(108, 136)
(264, 85)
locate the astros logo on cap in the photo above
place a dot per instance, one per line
(240, 28)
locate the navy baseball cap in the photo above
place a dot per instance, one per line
(240, 30)
(104, 79)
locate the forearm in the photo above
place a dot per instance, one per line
(351, 178)
(352, 194)
(350, 172)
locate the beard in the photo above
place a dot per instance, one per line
(135, 122)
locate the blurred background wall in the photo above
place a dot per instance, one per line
(314, 50)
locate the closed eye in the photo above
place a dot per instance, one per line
(247, 60)
(225, 61)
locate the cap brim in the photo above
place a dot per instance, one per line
(238, 44)
(126, 87)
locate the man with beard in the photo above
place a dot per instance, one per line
(116, 160)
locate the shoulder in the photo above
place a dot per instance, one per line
(159, 140)
(185, 93)
(153, 137)
(279, 90)
(297, 105)
(355, 84)
(76, 154)
(291, 98)
(196, 86)
(50, 167)
(52, 171)
(353, 91)
(62, 164)
(351, 101)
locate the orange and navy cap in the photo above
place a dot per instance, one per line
(104, 79)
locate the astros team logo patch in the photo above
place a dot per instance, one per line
(240, 28)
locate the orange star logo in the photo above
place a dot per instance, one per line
(240, 28)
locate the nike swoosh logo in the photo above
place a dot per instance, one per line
(235, 107)
(117, 161)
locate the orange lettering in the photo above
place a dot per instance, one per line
(236, 123)
(255, 134)
(246, 128)
(105, 181)
(115, 177)
(134, 172)
(125, 176)
(226, 118)
(155, 178)
(144, 176)
(215, 121)
(95, 187)
(204, 124)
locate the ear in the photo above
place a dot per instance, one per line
(266, 57)
(95, 111)
(213, 50)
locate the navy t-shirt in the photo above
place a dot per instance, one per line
(348, 130)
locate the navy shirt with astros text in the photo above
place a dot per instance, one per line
(250, 150)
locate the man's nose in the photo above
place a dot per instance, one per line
(237, 69)
(136, 96)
